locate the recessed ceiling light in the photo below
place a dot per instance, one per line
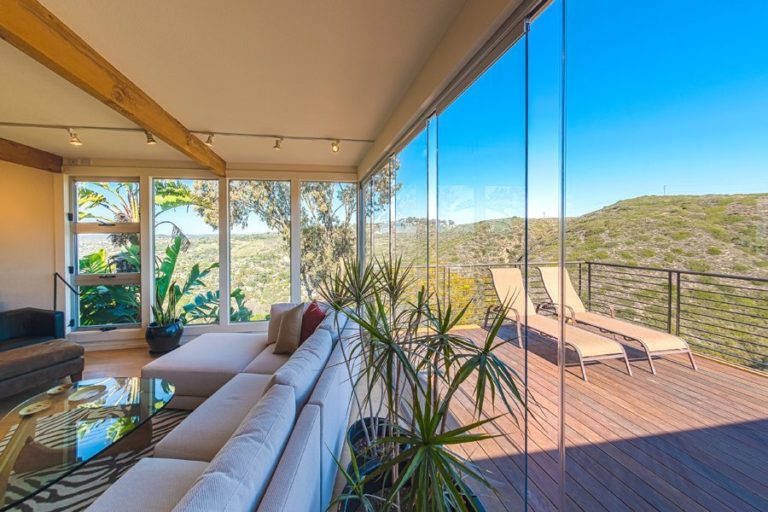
(150, 139)
(209, 140)
(278, 142)
(335, 146)
(74, 139)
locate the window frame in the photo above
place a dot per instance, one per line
(76, 227)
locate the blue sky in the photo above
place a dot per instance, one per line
(661, 96)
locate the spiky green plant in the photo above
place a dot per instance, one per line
(413, 364)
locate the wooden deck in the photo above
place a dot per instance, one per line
(677, 441)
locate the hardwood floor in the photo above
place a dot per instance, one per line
(116, 363)
(676, 441)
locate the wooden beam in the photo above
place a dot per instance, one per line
(33, 29)
(31, 157)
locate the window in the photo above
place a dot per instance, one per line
(105, 229)
(260, 247)
(186, 219)
(328, 231)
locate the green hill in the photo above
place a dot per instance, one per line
(712, 233)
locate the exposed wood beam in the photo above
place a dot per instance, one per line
(31, 157)
(33, 29)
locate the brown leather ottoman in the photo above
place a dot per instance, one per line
(28, 367)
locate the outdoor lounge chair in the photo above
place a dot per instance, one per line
(589, 346)
(654, 342)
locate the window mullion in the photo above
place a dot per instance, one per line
(295, 241)
(224, 253)
(146, 236)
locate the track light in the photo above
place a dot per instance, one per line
(278, 142)
(73, 138)
(150, 138)
(335, 146)
(209, 140)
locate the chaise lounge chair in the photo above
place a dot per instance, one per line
(655, 343)
(589, 346)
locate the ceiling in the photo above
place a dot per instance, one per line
(332, 69)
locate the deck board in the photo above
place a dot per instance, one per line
(679, 440)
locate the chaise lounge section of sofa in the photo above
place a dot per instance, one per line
(265, 436)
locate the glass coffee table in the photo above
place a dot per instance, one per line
(50, 435)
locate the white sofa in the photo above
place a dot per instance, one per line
(263, 433)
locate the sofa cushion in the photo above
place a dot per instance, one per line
(34, 357)
(333, 395)
(331, 324)
(289, 333)
(152, 485)
(202, 434)
(267, 362)
(303, 368)
(203, 365)
(237, 477)
(276, 312)
(313, 316)
(293, 487)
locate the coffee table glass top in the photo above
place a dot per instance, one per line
(51, 434)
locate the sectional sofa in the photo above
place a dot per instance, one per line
(263, 432)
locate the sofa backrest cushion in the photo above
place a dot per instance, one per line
(334, 322)
(303, 368)
(238, 475)
(333, 394)
(294, 485)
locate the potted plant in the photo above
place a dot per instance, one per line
(164, 334)
(413, 363)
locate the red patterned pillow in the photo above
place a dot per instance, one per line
(313, 316)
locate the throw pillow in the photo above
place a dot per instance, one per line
(276, 312)
(312, 318)
(289, 334)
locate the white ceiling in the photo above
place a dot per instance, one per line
(334, 68)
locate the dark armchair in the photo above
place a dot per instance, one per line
(32, 352)
(28, 326)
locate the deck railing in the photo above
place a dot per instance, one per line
(720, 315)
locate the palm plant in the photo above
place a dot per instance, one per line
(413, 365)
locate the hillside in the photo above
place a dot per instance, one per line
(712, 233)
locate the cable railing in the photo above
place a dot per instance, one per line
(719, 315)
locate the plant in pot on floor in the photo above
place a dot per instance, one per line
(415, 367)
(164, 334)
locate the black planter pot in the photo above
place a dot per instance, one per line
(164, 338)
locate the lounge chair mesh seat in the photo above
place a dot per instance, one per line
(589, 346)
(654, 342)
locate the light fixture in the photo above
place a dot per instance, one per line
(209, 140)
(335, 146)
(73, 138)
(150, 139)
(278, 142)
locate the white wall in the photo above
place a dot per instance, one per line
(26, 237)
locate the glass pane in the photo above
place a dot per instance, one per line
(106, 305)
(667, 208)
(260, 247)
(380, 211)
(108, 254)
(110, 202)
(328, 231)
(410, 206)
(186, 217)
(367, 220)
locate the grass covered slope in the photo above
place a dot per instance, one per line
(712, 233)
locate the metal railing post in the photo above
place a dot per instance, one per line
(677, 306)
(589, 285)
(579, 279)
(669, 302)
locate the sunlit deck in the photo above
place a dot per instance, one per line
(679, 440)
